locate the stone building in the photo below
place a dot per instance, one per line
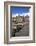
(26, 18)
(20, 19)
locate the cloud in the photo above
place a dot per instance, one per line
(14, 15)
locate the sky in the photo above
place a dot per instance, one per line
(19, 10)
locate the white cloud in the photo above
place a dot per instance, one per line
(14, 15)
